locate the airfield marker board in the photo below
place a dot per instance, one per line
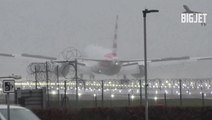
(8, 87)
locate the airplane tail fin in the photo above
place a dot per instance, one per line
(115, 38)
(186, 8)
(113, 54)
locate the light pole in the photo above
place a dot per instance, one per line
(145, 61)
(58, 86)
(47, 83)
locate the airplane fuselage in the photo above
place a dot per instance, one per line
(107, 67)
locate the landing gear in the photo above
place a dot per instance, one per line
(92, 76)
(124, 80)
(140, 72)
(81, 76)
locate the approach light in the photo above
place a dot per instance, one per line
(112, 96)
(53, 92)
(166, 92)
(155, 98)
(132, 97)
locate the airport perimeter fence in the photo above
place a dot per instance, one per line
(119, 93)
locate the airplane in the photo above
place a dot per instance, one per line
(188, 10)
(104, 61)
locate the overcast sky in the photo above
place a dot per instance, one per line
(48, 26)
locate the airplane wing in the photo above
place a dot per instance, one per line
(168, 60)
(6, 55)
(38, 56)
(172, 60)
(136, 69)
(157, 60)
(27, 55)
(34, 56)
